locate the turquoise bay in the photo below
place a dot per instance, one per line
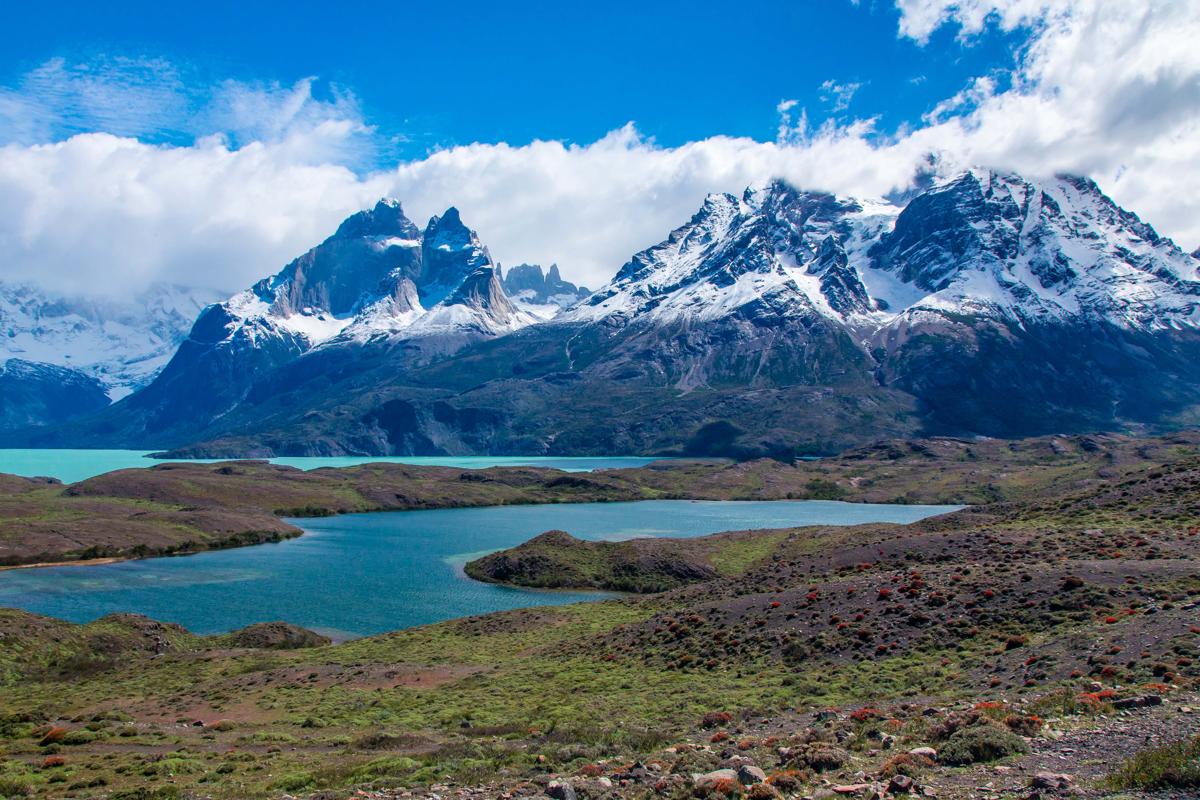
(361, 574)
(77, 465)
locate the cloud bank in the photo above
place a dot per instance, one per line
(1104, 88)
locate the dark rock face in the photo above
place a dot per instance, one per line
(34, 394)
(450, 252)
(840, 283)
(367, 254)
(936, 235)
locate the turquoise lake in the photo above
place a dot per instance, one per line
(77, 465)
(361, 574)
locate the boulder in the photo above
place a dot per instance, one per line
(1138, 702)
(717, 779)
(561, 790)
(1051, 781)
(748, 774)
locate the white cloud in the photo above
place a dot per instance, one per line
(154, 100)
(106, 214)
(839, 95)
(1104, 88)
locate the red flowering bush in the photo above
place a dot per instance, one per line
(863, 714)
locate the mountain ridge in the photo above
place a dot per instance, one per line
(778, 322)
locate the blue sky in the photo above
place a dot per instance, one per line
(428, 75)
(224, 139)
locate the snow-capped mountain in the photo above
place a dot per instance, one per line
(122, 343)
(985, 244)
(544, 294)
(782, 321)
(377, 276)
(378, 283)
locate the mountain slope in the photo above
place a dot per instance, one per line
(33, 394)
(779, 322)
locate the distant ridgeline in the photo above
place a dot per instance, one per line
(780, 322)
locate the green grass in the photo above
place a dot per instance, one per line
(733, 557)
(1172, 766)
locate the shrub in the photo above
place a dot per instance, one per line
(716, 719)
(822, 757)
(1025, 725)
(80, 737)
(53, 736)
(980, 744)
(293, 782)
(863, 714)
(10, 787)
(1172, 766)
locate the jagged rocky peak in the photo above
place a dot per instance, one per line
(528, 285)
(378, 277)
(969, 220)
(982, 243)
(841, 284)
(999, 244)
(451, 251)
(481, 291)
(364, 258)
(385, 220)
(776, 252)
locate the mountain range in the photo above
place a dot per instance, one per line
(62, 355)
(778, 322)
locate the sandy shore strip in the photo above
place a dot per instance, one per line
(79, 562)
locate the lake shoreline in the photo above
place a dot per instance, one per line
(372, 573)
(78, 562)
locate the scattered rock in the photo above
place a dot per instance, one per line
(1051, 781)
(561, 790)
(924, 752)
(718, 778)
(900, 784)
(749, 774)
(1138, 702)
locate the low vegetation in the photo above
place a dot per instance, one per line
(179, 508)
(1171, 766)
(907, 656)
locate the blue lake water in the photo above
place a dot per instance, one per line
(77, 465)
(360, 574)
